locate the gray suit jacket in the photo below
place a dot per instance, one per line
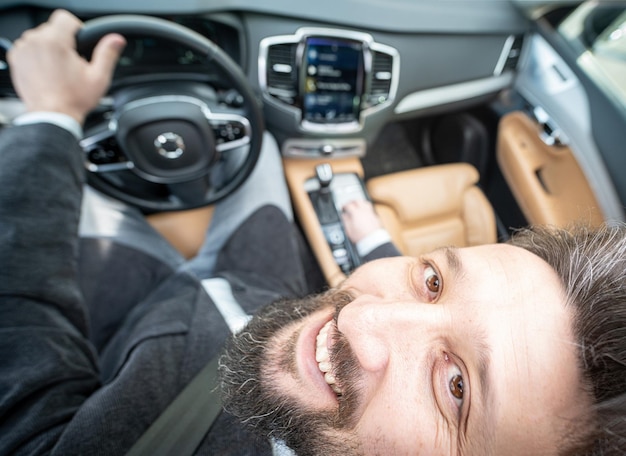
(93, 348)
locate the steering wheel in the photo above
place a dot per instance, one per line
(170, 143)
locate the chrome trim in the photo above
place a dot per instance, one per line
(452, 93)
(89, 141)
(218, 119)
(214, 119)
(282, 68)
(164, 98)
(333, 148)
(111, 167)
(550, 133)
(339, 127)
(166, 138)
(504, 55)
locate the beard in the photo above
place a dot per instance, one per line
(247, 368)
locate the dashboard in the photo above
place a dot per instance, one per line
(333, 76)
(330, 74)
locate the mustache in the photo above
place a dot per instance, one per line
(347, 375)
(346, 371)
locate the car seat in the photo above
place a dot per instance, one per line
(434, 206)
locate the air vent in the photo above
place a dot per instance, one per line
(282, 77)
(6, 87)
(382, 76)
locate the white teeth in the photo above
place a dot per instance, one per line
(325, 366)
(322, 350)
(323, 357)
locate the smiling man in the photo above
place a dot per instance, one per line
(463, 351)
(515, 348)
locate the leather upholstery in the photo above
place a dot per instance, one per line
(423, 209)
(185, 230)
(547, 182)
(435, 206)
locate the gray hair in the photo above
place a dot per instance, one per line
(591, 263)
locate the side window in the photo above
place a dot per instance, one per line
(597, 33)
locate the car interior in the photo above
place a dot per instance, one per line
(460, 121)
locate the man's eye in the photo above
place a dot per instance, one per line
(456, 386)
(432, 281)
(456, 383)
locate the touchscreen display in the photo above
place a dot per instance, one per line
(333, 78)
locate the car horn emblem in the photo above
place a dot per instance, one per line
(169, 145)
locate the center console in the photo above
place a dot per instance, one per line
(326, 93)
(319, 189)
(328, 194)
(326, 80)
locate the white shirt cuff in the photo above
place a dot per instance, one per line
(56, 118)
(372, 240)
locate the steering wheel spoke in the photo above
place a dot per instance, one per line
(102, 152)
(230, 131)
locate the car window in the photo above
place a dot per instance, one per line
(597, 33)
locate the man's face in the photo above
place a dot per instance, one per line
(464, 351)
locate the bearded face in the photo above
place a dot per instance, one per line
(461, 351)
(253, 359)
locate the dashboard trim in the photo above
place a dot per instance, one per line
(437, 96)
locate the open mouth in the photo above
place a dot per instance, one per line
(322, 356)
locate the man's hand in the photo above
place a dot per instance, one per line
(360, 219)
(49, 75)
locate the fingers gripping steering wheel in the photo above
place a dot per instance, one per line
(170, 143)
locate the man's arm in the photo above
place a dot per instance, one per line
(365, 230)
(47, 368)
(41, 168)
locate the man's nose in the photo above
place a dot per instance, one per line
(378, 329)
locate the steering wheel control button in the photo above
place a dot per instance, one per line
(170, 145)
(229, 131)
(104, 156)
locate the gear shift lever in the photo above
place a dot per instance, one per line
(324, 204)
(324, 201)
(324, 174)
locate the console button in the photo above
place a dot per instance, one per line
(334, 235)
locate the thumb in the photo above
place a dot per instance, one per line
(105, 56)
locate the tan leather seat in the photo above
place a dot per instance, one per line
(423, 209)
(435, 206)
(185, 230)
(547, 182)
